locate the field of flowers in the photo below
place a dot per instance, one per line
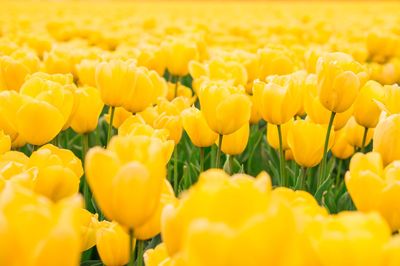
(199, 133)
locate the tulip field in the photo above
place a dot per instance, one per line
(196, 133)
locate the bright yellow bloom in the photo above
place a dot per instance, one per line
(236, 143)
(339, 80)
(197, 128)
(341, 148)
(157, 256)
(89, 109)
(273, 137)
(306, 140)
(5, 142)
(354, 133)
(89, 226)
(179, 52)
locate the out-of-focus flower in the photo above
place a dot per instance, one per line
(179, 52)
(386, 140)
(355, 133)
(273, 137)
(236, 142)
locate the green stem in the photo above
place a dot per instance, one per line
(230, 162)
(303, 177)
(339, 171)
(364, 139)
(201, 159)
(131, 249)
(110, 125)
(139, 261)
(176, 170)
(86, 191)
(323, 165)
(217, 160)
(281, 158)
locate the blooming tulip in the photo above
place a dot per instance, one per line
(386, 140)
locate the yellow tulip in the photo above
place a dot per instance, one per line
(366, 110)
(274, 61)
(278, 100)
(89, 109)
(225, 108)
(273, 137)
(316, 111)
(120, 115)
(197, 128)
(236, 143)
(306, 141)
(157, 256)
(382, 45)
(12, 73)
(386, 140)
(355, 133)
(59, 172)
(180, 89)
(339, 80)
(5, 142)
(255, 115)
(392, 98)
(130, 162)
(152, 227)
(89, 226)
(179, 52)
(112, 244)
(341, 148)
(115, 80)
(391, 252)
(58, 60)
(86, 71)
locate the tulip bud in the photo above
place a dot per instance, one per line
(235, 143)
(306, 140)
(179, 52)
(197, 128)
(225, 108)
(339, 79)
(386, 140)
(341, 148)
(366, 111)
(112, 244)
(89, 109)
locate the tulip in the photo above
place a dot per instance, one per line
(12, 73)
(156, 256)
(236, 142)
(386, 140)
(89, 109)
(273, 136)
(392, 98)
(339, 80)
(357, 135)
(341, 148)
(129, 162)
(255, 115)
(274, 61)
(5, 142)
(113, 244)
(197, 128)
(306, 141)
(120, 115)
(179, 52)
(86, 71)
(89, 226)
(366, 111)
(58, 60)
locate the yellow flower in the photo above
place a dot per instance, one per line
(339, 80)
(58, 172)
(225, 108)
(179, 52)
(86, 71)
(366, 110)
(89, 109)
(89, 226)
(392, 98)
(236, 143)
(306, 141)
(316, 111)
(386, 140)
(273, 137)
(391, 252)
(12, 73)
(130, 163)
(157, 256)
(197, 128)
(274, 61)
(341, 148)
(355, 133)
(115, 80)
(120, 115)
(278, 100)
(112, 244)
(255, 115)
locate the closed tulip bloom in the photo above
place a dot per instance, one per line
(278, 100)
(274, 61)
(157, 256)
(179, 52)
(86, 71)
(58, 172)
(130, 163)
(339, 80)
(255, 115)
(12, 73)
(89, 109)
(341, 148)
(153, 225)
(112, 244)
(89, 227)
(172, 123)
(316, 111)
(10, 102)
(272, 135)
(236, 143)
(197, 128)
(59, 60)
(306, 141)
(225, 108)
(354, 133)
(115, 80)
(366, 110)
(5, 142)
(120, 115)
(386, 140)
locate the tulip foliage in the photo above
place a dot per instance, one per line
(198, 133)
